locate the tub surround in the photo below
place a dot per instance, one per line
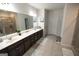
(6, 42)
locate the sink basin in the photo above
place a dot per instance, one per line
(1, 40)
(4, 41)
(9, 40)
(15, 38)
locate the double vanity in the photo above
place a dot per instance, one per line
(18, 32)
(19, 44)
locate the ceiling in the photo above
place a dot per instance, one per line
(48, 6)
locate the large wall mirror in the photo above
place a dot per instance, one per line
(11, 21)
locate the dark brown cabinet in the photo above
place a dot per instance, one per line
(16, 49)
(27, 43)
(20, 47)
(12, 52)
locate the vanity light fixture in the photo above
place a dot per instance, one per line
(31, 13)
(4, 3)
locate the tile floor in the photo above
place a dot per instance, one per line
(48, 47)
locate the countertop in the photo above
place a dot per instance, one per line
(17, 38)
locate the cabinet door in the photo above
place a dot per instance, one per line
(33, 39)
(38, 35)
(20, 49)
(27, 45)
(13, 52)
(41, 33)
(16, 49)
(35, 36)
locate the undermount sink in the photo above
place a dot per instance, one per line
(9, 39)
(1, 40)
(4, 41)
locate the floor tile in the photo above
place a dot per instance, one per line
(48, 47)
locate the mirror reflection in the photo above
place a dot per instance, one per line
(10, 22)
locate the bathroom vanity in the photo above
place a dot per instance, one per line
(18, 32)
(18, 45)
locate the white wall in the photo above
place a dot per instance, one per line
(19, 8)
(55, 21)
(69, 20)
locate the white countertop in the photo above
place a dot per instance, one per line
(17, 38)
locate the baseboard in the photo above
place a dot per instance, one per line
(67, 46)
(58, 37)
(53, 35)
